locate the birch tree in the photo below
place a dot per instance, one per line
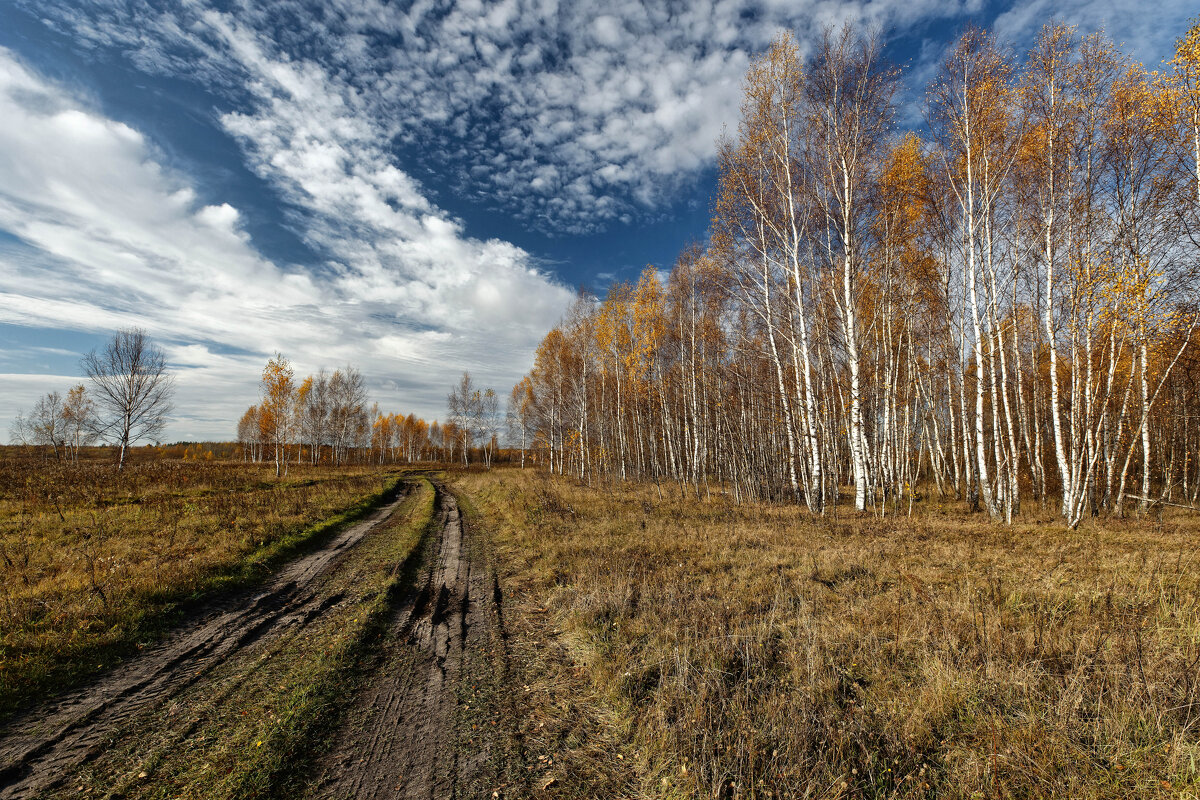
(131, 388)
(850, 92)
(278, 408)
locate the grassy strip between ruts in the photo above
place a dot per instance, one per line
(46, 655)
(249, 731)
(491, 704)
(563, 736)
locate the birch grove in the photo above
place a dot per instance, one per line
(1001, 311)
(324, 419)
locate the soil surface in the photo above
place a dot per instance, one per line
(408, 734)
(39, 750)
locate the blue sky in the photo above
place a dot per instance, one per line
(415, 188)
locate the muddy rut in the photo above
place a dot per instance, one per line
(404, 736)
(41, 749)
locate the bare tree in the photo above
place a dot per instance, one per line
(45, 425)
(489, 422)
(132, 389)
(313, 408)
(348, 421)
(79, 420)
(463, 406)
(249, 434)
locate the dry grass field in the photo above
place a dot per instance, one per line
(650, 645)
(695, 648)
(94, 564)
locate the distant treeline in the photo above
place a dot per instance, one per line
(325, 418)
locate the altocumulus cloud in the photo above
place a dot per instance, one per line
(565, 115)
(104, 235)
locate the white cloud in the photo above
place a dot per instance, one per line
(623, 98)
(110, 237)
(1145, 31)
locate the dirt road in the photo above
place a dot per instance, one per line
(406, 736)
(420, 723)
(39, 750)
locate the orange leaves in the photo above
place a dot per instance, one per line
(649, 324)
(306, 387)
(1141, 106)
(905, 215)
(1187, 58)
(276, 413)
(613, 330)
(278, 386)
(905, 177)
(521, 400)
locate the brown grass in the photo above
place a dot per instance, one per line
(250, 731)
(752, 651)
(95, 563)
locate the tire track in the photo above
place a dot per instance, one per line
(41, 748)
(400, 738)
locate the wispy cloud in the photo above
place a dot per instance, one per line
(566, 115)
(108, 237)
(1145, 32)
